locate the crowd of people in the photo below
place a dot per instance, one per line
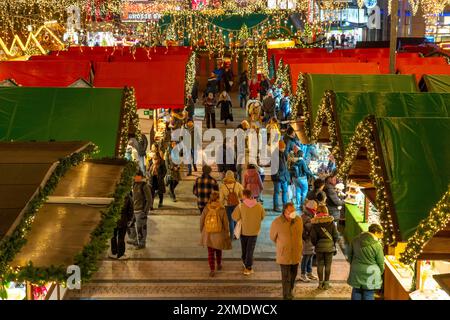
(232, 209)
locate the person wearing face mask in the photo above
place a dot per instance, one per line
(286, 231)
(366, 258)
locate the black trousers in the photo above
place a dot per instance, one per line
(118, 242)
(210, 119)
(172, 185)
(160, 194)
(248, 244)
(324, 260)
(288, 275)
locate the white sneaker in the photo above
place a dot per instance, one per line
(124, 257)
(303, 278)
(112, 256)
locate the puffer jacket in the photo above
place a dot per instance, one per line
(366, 259)
(308, 247)
(333, 201)
(319, 239)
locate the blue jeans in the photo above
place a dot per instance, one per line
(301, 189)
(277, 186)
(231, 222)
(306, 266)
(363, 294)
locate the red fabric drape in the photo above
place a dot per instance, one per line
(332, 68)
(45, 73)
(420, 70)
(158, 84)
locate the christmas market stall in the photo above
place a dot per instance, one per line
(45, 73)
(418, 70)
(340, 112)
(104, 116)
(398, 175)
(65, 229)
(435, 83)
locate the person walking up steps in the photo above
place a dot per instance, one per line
(215, 232)
(286, 231)
(204, 186)
(230, 196)
(251, 214)
(309, 211)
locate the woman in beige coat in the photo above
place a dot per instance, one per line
(214, 227)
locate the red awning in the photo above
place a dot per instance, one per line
(420, 70)
(45, 73)
(158, 84)
(331, 68)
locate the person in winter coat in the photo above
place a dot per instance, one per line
(251, 214)
(228, 79)
(334, 202)
(264, 86)
(268, 106)
(300, 174)
(210, 111)
(309, 212)
(366, 259)
(225, 107)
(211, 86)
(324, 236)
(194, 137)
(243, 94)
(215, 217)
(290, 139)
(156, 173)
(173, 162)
(190, 107)
(230, 196)
(286, 231)
(120, 231)
(254, 88)
(204, 186)
(319, 184)
(252, 181)
(281, 178)
(142, 202)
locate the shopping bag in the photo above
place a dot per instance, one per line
(238, 229)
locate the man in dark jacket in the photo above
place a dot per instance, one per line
(142, 200)
(118, 239)
(366, 259)
(290, 139)
(334, 203)
(319, 184)
(268, 106)
(281, 179)
(264, 86)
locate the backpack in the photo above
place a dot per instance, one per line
(212, 221)
(232, 198)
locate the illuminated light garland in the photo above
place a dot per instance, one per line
(364, 137)
(300, 102)
(130, 120)
(191, 71)
(437, 220)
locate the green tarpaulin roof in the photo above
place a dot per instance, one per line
(62, 114)
(417, 161)
(317, 84)
(437, 83)
(352, 107)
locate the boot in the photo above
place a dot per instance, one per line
(326, 285)
(160, 202)
(320, 287)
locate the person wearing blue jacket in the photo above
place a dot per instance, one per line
(300, 174)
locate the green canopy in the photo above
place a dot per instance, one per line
(317, 84)
(437, 83)
(62, 114)
(352, 107)
(417, 161)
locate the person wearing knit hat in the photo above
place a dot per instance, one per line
(203, 187)
(281, 178)
(309, 211)
(230, 196)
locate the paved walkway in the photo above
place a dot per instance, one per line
(174, 265)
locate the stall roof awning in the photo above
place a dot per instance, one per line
(352, 107)
(416, 157)
(45, 73)
(24, 168)
(317, 84)
(420, 70)
(62, 114)
(437, 83)
(158, 84)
